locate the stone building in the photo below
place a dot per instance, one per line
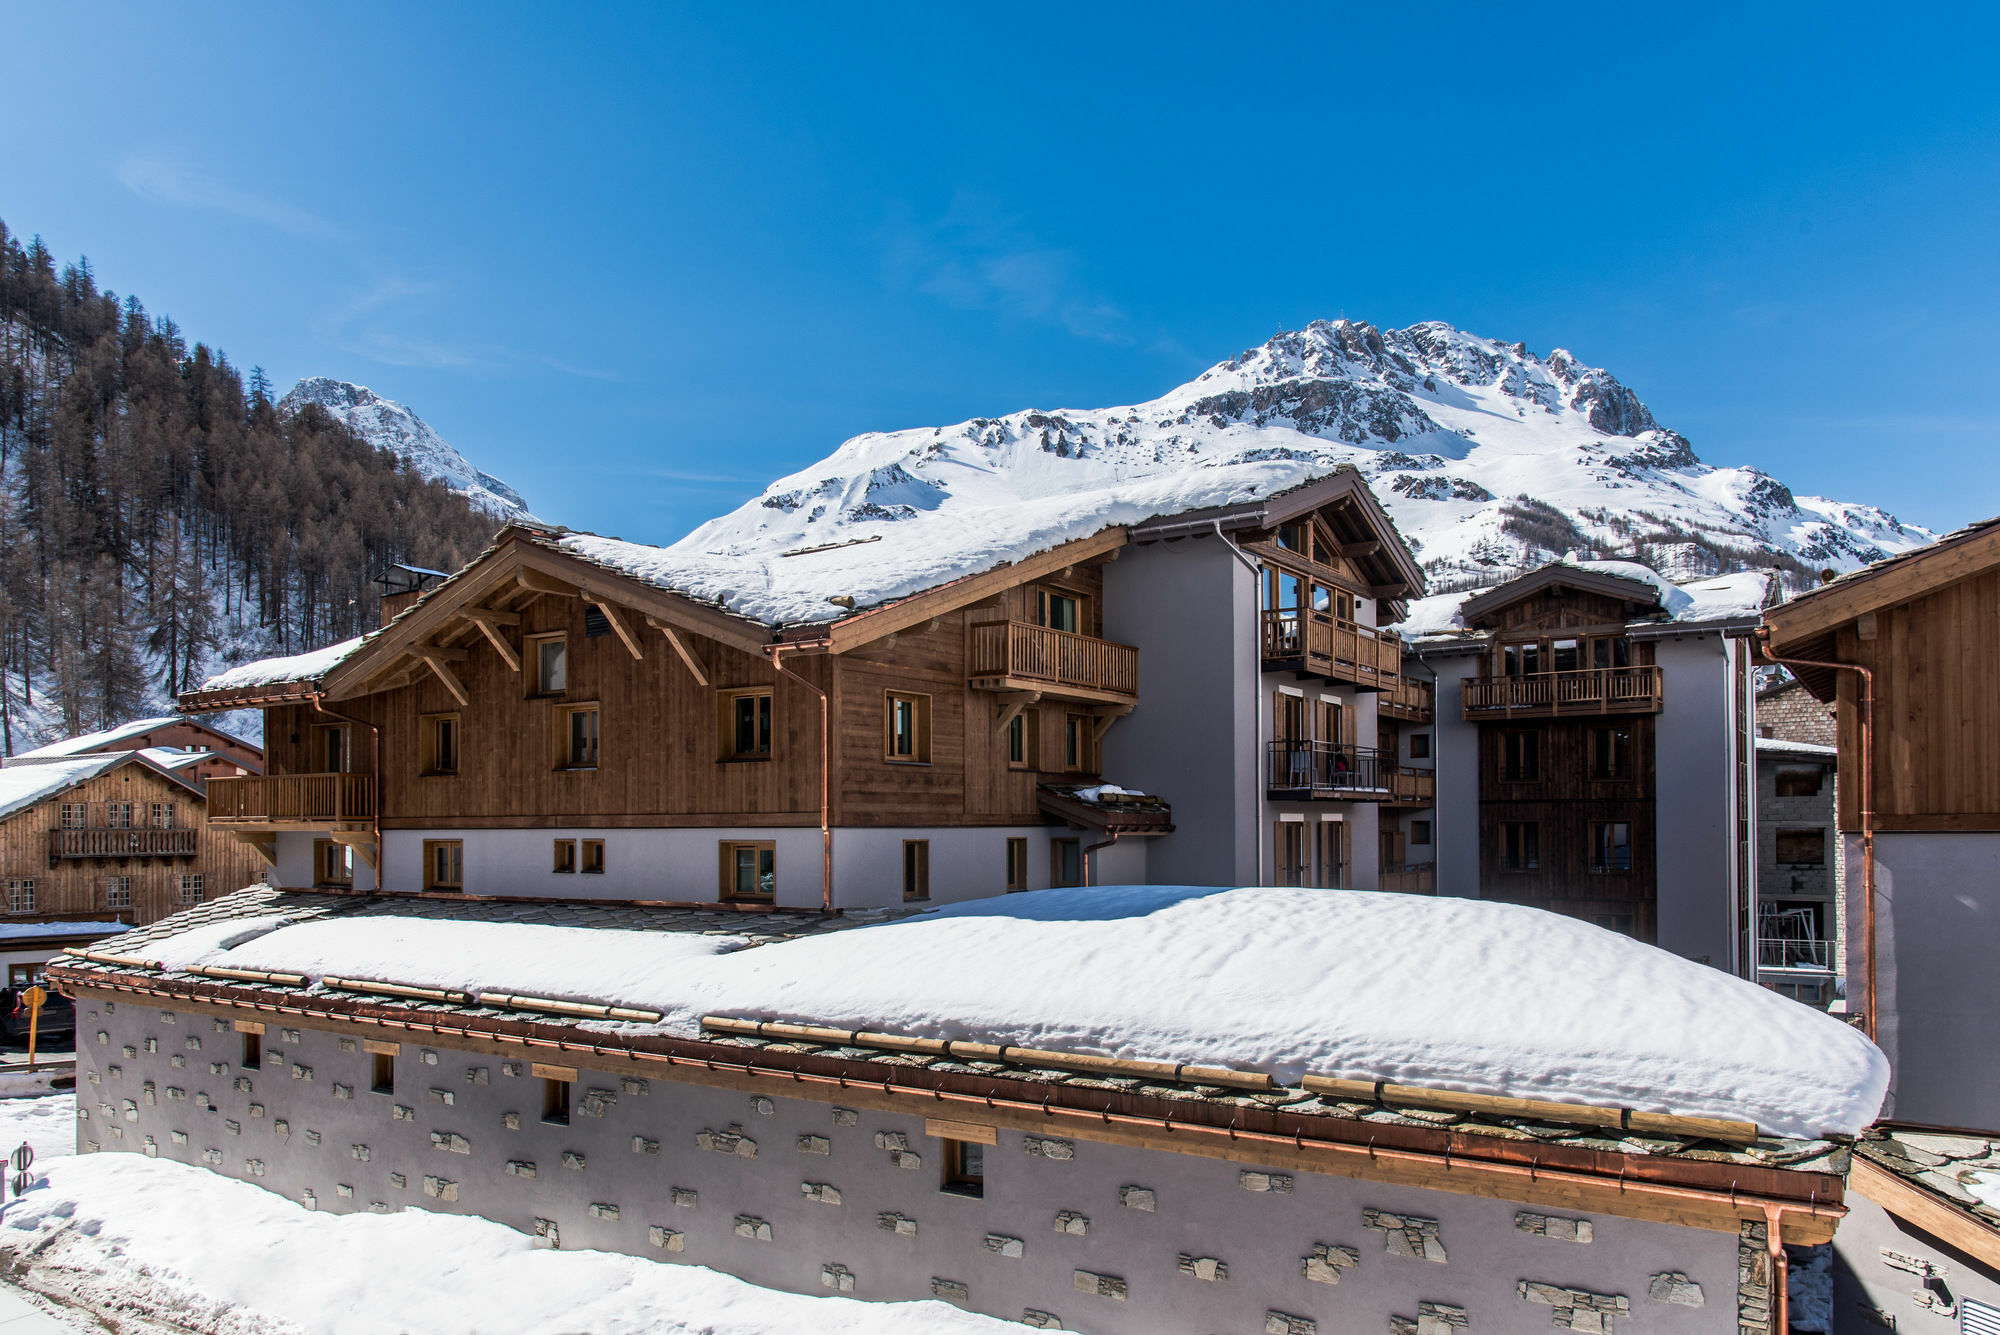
(1059, 1189)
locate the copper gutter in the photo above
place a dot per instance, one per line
(1092, 848)
(1867, 815)
(375, 765)
(776, 652)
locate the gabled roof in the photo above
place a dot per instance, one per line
(110, 738)
(26, 782)
(1642, 593)
(1816, 613)
(1712, 602)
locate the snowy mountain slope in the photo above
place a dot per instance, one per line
(1490, 459)
(389, 425)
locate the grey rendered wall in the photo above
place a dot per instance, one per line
(307, 1127)
(1694, 782)
(1455, 744)
(1871, 1296)
(295, 865)
(1937, 934)
(1190, 608)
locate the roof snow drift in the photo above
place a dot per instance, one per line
(97, 741)
(1716, 598)
(1458, 994)
(284, 671)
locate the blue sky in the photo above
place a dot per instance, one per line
(640, 261)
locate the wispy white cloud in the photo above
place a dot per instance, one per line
(164, 180)
(374, 323)
(976, 258)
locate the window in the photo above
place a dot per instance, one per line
(444, 864)
(192, 888)
(1420, 746)
(1065, 862)
(1058, 610)
(1521, 660)
(916, 869)
(118, 892)
(118, 815)
(1606, 654)
(593, 857)
(1520, 757)
(437, 741)
(1523, 845)
(75, 815)
(333, 864)
(964, 1168)
(555, 1101)
(576, 737)
(1799, 782)
(253, 1049)
(746, 724)
(549, 657)
(160, 815)
(750, 870)
(383, 1079)
(1804, 848)
(24, 975)
(1290, 839)
(1567, 658)
(1017, 864)
(1332, 854)
(907, 732)
(1420, 832)
(1611, 847)
(330, 751)
(1610, 753)
(1023, 730)
(565, 856)
(1078, 743)
(20, 895)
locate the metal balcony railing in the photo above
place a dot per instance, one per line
(1786, 953)
(1327, 769)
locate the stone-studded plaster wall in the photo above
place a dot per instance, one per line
(800, 1195)
(1892, 1275)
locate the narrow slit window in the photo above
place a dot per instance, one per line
(384, 1074)
(1523, 845)
(565, 856)
(253, 1050)
(1613, 847)
(1017, 864)
(555, 1101)
(916, 869)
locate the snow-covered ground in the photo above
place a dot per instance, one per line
(135, 1238)
(1460, 994)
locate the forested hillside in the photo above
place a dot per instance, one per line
(159, 517)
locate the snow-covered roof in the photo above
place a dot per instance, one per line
(21, 931)
(1460, 994)
(99, 741)
(1697, 602)
(1779, 746)
(282, 671)
(22, 786)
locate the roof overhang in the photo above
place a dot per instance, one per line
(1817, 613)
(1558, 575)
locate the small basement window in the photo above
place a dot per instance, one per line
(253, 1049)
(1065, 862)
(916, 869)
(565, 856)
(964, 1168)
(444, 864)
(750, 870)
(593, 857)
(555, 1101)
(384, 1074)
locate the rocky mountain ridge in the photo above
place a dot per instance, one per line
(392, 426)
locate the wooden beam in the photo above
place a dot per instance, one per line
(264, 841)
(1104, 721)
(1014, 708)
(1914, 1205)
(1352, 549)
(530, 578)
(1823, 609)
(450, 682)
(443, 653)
(618, 624)
(710, 622)
(362, 844)
(680, 647)
(497, 616)
(490, 628)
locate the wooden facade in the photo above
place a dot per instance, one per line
(130, 822)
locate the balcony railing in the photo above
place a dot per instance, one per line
(1420, 879)
(1327, 770)
(1627, 690)
(1785, 953)
(1410, 701)
(1003, 655)
(1414, 787)
(292, 799)
(125, 843)
(1320, 643)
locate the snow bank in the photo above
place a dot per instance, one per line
(123, 1234)
(1461, 994)
(278, 671)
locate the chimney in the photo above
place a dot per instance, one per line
(402, 585)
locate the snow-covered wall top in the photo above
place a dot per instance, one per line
(387, 424)
(1460, 994)
(1490, 459)
(1743, 593)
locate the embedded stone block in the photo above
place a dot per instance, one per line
(510, 1068)
(641, 1145)
(361, 1153)
(398, 1181)
(254, 1167)
(176, 1095)
(909, 1159)
(521, 1167)
(889, 1221)
(686, 1197)
(312, 1137)
(573, 1161)
(751, 1227)
(1002, 1245)
(309, 1199)
(1102, 1286)
(301, 1072)
(450, 1142)
(403, 1113)
(281, 1128)
(178, 1062)
(344, 1191)
(444, 1096)
(476, 1075)
(1558, 1228)
(1676, 1288)
(604, 1210)
(1205, 1268)
(151, 1148)
(257, 1111)
(596, 1102)
(1323, 1264)
(1045, 1147)
(635, 1085)
(1138, 1198)
(837, 1277)
(512, 1121)
(846, 1117)
(348, 1045)
(1406, 1235)
(762, 1106)
(951, 1290)
(1576, 1309)
(548, 1231)
(1284, 1323)
(214, 1068)
(343, 1091)
(1276, 1183)
(823, 1192)
(730, 1140)
(440, 1188)
(1072, 1223)
(178, 1137)
(130, 1050)
(891, 1140)
(815, 1145)
(1040, 1320)
(291, 1035)
(667, 1239)
(1431, 1319)
(428, 1056)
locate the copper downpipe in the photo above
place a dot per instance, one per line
(825, 778)
(1092, 848)
(1868, 1012)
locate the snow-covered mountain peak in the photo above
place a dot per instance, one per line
(390, 425)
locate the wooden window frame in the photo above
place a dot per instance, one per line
(427, 744)
(1606, 758)
(1332, 840)
(1017, 863)
(319, 734)
(253, 1048)
(193, 887)
(919, 705)
(562, 858)
(1018, 729)
(591, 859)
(725, 717)
(382, 1071)
(565, 754)
(1529, 859)
(1425, 827)
(916, 871)
(323, 849)
(162, 816)
(118, 815)
(432, 881)
(1291, 832)
(1602, 843)
(1420, 746)
(1530, 768)
(531, 650)
(79, 810)
(1079, 727)
(20, 894)
(555, 1101)
(1056, 874)
(960, 1177)
(727, 851)
(118, 891)
(1039, 596)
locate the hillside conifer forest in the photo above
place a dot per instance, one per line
(159, 516)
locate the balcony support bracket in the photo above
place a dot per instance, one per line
(1012, 708)
(361, 841)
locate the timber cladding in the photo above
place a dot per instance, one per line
(82, 885)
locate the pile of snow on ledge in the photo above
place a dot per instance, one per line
(1459, 994)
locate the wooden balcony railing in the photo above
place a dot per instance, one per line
(292, 799)
(1412, 700)
(1009, 655)
(1627, 690)
(1320, 643)
(1413, 787)
(1420, 879)
(1327, 770)
(126, 843)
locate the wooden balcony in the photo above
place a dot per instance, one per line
(1321, 645)
(1326, 771)
(292, 801)
(1411, 701)
(125, 843)
(1420, 879)
(1019, 656)
(1410, 787)
(1628, 690)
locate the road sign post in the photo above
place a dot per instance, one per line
(34, 996)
